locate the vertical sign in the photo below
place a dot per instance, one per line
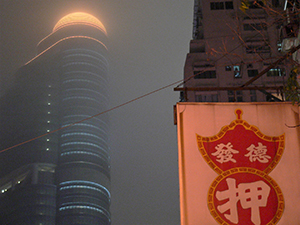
(239, 163)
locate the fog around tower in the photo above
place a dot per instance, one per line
(148, 43)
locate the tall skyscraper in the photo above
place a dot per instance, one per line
(232, 43)
(62, 177)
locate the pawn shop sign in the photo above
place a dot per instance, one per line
(239, 163)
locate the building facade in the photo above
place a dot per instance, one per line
(233, 42)
(61, 177)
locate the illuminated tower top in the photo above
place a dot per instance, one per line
(78, 25)
(79, 18)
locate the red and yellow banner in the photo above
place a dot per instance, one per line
(239, 163)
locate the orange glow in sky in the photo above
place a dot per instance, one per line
(79, 18)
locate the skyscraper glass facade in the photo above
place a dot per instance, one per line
(63, 176)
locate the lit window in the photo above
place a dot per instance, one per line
(276, 72)
(84, 125)
(102, 60)
(100, 57)
(84, 184)
(82, 63)
(279, 46)
(237, 72)
(80, 97)
(227, 68)
(87, 151)
(80, 133)
(81, 152)
(85, 72)
(82, 143)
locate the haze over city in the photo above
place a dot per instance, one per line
(148, 43)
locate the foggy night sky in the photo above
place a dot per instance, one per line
(148, 43)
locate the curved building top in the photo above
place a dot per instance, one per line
(74, 26)
(79, 18)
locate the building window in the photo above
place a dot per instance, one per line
(182, 97)
(231, 97)
(85, 184)
(279, 46)
(6, 187)
(210, 74)
(216, 5)
(239, 96)
(237, 71)
(256, 4)
(253, 97)
(220, 5)
(227, 68)
(229, 5)
(255, 26)
(206, 98)
(276, 72)
(252, 73)
(198, 98)
(275, 3)
(235, 96)
(250, 49)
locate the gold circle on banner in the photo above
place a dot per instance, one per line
(212, 189)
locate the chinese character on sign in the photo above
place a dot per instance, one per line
(251, 195)
(258, 153)
(225, 153)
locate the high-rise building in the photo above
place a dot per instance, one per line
(61, 177)
(233, 42)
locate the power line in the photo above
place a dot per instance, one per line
(181, 81)
(91, 117)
